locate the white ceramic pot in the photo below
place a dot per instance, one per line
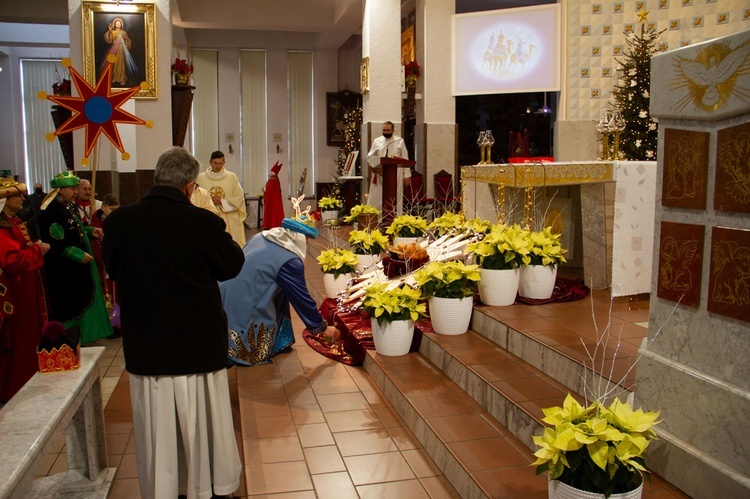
(367, 263)
(558, 490)
(537, 281)
(333, 285)
(404, 240)
(392, 338)
(329, 215)
(450, 316)
(498, 288)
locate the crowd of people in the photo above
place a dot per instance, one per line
(209, 305)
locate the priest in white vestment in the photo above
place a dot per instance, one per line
(226, 194)
(387, 146)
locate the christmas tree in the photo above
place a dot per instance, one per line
(631, 93)
(352, 133)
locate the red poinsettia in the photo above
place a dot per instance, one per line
(182, 67)
(412, 69)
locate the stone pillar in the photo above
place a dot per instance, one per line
(381, 45)
(435, 134)
(696, 370)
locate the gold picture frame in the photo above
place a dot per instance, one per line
(127, 30)
(364, 75)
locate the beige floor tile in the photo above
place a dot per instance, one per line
(325, 459)
(315, 435)
(342, 402)
(421, 463)
(272, 450)
(354, 443)
(334, 486)
(375, 468)
(353, 420)
(307, 414)
(412, 489)
(277, 477)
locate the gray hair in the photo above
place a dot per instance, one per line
(176, 167)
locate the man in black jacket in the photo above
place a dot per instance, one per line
(166, 257)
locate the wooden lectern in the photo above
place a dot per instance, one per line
(390, 186)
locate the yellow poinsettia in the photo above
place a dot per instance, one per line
(365, 242)
(596, 448)
(361, 209)
(407, 226)
(330, 203)
(337, 261)
(446, 223)
(388, 303)
(448, 279)
(504, 247)
(545, 248)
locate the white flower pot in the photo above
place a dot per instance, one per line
(333, 285)
(450, 316)
(404, 240)
(559, 490)
(498, 288)
(537, 281)
(367, 263)
(392, 338)
(329, 215)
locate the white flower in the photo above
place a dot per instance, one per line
(652, 126)
(638, 143)
(649, 154)
(643, 114)
(645, 94)
(633, 72)
(633, 83)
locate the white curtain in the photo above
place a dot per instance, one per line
(42, 159)
(254, 120)
(205, 122)
(301, 120)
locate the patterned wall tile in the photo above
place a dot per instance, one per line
(732, 185)
(698, 22)
(728, 292)
(596, 8)
(722, 18)
(674, 15)
(680, 263)
(684, 182)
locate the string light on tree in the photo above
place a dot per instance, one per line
(631, 94)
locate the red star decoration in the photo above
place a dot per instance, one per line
(97, 109)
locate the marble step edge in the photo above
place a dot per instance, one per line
(508, 412)
(555, 364)
(463, 481)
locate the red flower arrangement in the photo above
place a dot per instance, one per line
(182, 67)
(412, 69)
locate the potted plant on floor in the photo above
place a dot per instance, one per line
(406, 229)
(365, 215)
(367, 246)
(500, 254)
(393, 308)
(449, 288)
(329, 208)
(598, 449)
(338, 267)
(537, 279)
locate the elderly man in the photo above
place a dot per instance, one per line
(227, 196)
(74, 291)
(175, 333)
(85, 204)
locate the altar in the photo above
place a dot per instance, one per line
(616, 216)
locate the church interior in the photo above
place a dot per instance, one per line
(459, 415)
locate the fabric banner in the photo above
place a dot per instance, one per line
(633, 231)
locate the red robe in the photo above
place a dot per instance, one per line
(273, 206)
(20, 261)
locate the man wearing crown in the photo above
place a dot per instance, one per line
(23, 310)
(227, 196)
(74, 291)
(273, 207)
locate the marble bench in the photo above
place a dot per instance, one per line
(48, 406)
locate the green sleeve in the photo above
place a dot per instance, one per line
(75, 254)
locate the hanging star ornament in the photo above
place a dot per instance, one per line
(643, 15)
(97, 109)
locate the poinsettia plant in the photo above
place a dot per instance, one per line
(407, 226)
(361, 209)
(330, 203)
(387, 303)
(448, 279)
(337, 261)
(446, 222)
(597, 448)
(546, 248)
(364, 242)
(182, 67)
(504, 247)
